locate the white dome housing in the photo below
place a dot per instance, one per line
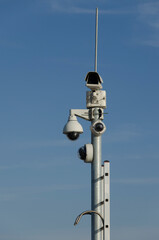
(72, 128)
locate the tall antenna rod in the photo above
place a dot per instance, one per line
(96, 40)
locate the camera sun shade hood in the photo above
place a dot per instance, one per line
(93, 81)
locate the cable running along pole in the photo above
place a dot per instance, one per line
(96, 40)
(96, 232)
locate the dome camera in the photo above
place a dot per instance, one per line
(72, 128)
(86, 153)
(98, 128)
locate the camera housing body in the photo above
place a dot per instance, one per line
(86, 153)
(98, 128)
(96, 99)
(72, 128)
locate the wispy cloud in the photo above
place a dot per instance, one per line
(72, 7)
(135, 232)
(19, 144)
(123, 133)
(57, 7)
(10, 44)
(137, 181)
(45, 143)
(152, 43)
(149, 8)
(7, 197)
(148, 14)
(37, 164)
(15, 193)
(47, 234)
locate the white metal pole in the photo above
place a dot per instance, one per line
(96, 226)
(106, 191)
(96, 102)
(102, 197)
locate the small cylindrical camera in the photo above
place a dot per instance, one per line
(98, 128)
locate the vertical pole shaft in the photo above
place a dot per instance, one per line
(96, 165)
(96, 40)
(96, 225)
(102, 198)
(106, 191)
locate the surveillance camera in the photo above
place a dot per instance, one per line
(93, 81)
(72, 128)
(86, 153)
(98, 128)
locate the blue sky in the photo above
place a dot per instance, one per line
(46, 50)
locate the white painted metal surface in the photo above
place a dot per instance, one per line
(100, 175)
(106, 193)
(102, 197)
(96, 226)
(89, 153)
(72, 125)
(96, 99)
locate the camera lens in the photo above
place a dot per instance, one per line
(82, 153)
(99, 127)
(73, 135)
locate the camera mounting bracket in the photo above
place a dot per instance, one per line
(82, 113)
(87, 114)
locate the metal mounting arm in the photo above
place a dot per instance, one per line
(90, 212)
(82, 113)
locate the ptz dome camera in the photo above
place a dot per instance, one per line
(72, 128)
